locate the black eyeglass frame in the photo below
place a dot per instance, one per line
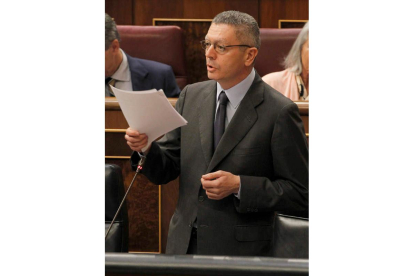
(204, 47)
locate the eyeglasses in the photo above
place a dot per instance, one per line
(221, 49)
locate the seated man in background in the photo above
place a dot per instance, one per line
(125, 72)
(294, 81)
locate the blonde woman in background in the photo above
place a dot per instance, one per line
(294, 81)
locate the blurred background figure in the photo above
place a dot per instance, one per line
(293, 82)
(133, 74)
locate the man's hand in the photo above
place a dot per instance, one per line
(136, 141)
(220, 184)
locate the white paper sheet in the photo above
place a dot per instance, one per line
(148, 112)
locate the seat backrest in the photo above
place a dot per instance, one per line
(117, 240)
(275, 46)
(291, 237)
(164, 44)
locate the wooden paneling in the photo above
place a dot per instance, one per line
(143, 209)
(115, 144)
(209, 9)
(120, 11)
(115, 119)
(169, 198)
(266, 12)
(304, 114)
(145, 10)
(288, 23)
(272, 10)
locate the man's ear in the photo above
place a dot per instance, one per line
(114, 45)
(250, 56)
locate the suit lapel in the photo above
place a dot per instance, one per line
(241, 123)
(138, 75)
(206, 121)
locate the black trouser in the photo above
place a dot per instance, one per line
(192, 247)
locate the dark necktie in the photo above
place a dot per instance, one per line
(108, 90)
(219, 124)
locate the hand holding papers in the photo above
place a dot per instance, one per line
(148, 112)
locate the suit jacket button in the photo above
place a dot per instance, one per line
(201, 198)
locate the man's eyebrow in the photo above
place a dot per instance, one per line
(221, 41)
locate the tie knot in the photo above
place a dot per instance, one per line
(223, 98)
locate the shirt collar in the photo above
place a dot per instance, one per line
(122, 74)
(237, 92)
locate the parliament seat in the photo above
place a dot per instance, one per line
(275, 46)
(164, 44)
(117, 240)
(291, 237)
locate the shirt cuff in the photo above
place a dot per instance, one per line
(238, 193)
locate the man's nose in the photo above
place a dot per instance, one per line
(210, 52)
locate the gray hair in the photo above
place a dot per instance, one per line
(293, 61)
(111, 32)
(247, 29)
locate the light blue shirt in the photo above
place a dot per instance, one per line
(235, 96)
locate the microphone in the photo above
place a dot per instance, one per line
(139, 168)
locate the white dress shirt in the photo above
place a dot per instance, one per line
(122, 76)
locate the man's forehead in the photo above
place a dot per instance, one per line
(220, 33)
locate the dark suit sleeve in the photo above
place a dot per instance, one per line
(288, 191)
(163, 160)
(170, 84)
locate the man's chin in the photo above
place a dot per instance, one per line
(211, 76)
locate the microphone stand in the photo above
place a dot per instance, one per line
(139, 168)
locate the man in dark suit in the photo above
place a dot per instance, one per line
(231, 183)
(133, 74)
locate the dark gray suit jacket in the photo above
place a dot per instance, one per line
(264, 143)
